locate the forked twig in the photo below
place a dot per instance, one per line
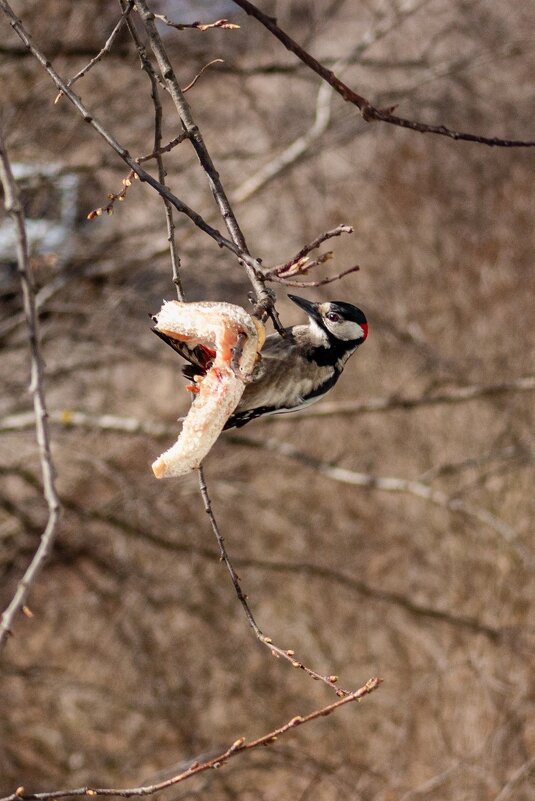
(301, 263)
(158, 153)
(320, 282)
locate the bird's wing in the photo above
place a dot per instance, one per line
(198, 357)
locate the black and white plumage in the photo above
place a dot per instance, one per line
(296, 369)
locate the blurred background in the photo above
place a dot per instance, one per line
(138, 656)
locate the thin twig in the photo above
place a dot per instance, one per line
(194, 80)
(198, 26)
(368, 111)
(320, 282)
(240, 746)
(14, 208)
(113, 197)
(289, 654)
(106, 49)
(300, 264)
(165, 149)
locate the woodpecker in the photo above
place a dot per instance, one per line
(297, 368)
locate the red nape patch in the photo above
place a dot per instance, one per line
(364, 327)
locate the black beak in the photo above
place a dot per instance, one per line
(310, 308)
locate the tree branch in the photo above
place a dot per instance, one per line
(14, 208)
(368, 111)
(240, 746)
(299, 147)
(158, 152)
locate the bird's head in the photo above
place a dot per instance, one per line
(338, 321)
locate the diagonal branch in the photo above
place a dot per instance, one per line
(293, 152)
(368, 111)
(240, 746)
(14, 208)
(106, 49)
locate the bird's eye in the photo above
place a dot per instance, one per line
(333, 317)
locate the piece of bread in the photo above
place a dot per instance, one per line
(236, 338)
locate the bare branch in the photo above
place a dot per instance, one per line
(14, 208)
(263, 297)
(300, 264)
(165, 149)
(182, 207)
(368, 111)
(158, 151)
(22, 421)
(300, 146)
(350, 581)
(321, 282)
(113, 197)
(289, 654)
(104, 422)
(240, 746)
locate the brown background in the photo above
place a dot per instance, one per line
(139, 656)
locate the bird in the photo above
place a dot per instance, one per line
(296, 367)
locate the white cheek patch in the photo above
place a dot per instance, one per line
(346, 330)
